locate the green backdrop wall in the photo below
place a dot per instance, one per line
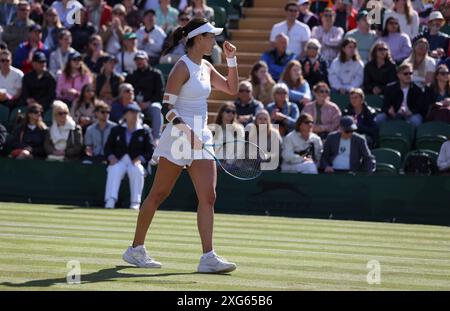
(401, 198)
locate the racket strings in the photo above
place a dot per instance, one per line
(240, 159)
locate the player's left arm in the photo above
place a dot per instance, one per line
(230, 83)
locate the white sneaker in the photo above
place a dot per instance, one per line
(135, 206)
(110, 203)
(215, 264)
(139, 257)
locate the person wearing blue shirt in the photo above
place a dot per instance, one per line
(282, 112)
(279, 57)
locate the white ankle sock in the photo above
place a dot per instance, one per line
(209, 254)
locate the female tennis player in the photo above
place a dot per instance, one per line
(187, 90)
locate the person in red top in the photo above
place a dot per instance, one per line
(345, 15)
(24, 53)
(99, 13)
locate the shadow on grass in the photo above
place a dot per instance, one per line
(104, 275)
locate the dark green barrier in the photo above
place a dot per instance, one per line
(403, 198)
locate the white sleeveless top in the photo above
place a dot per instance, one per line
(192, 105)
(192, 100)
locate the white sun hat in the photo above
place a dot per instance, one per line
(435, 15)
(203, 29)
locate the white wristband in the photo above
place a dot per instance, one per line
(232, 62)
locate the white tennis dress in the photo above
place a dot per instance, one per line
(192, 106)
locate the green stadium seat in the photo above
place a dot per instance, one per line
(374, 101)
(220, 17)
(431, 135)
(14, 112)
(4, 115)
(165, 69)
(222, 4)
(341, 100)
(388, 156)
(385, 169)
(397, 135)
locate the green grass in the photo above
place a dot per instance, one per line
(272, 253)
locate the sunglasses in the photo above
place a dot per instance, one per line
(128, 91)
(407, 73)
(230, 111)
(36, 111)
(443, 73)
(244, 91)
(312, 48)
(105, 112)
(393, 23)
(6, 60)
(63, 113)
(78, 59)
(382, 49)
(280, 93)
(184, 19)
(323, 91)
(328, 15)
(348, 132)
(292, 10)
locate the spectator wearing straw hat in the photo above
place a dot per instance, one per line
(437, 40)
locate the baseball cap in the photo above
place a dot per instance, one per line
(348, 124)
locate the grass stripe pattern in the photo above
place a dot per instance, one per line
(272, 253)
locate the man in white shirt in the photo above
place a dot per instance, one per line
(347, 151)
(151, 37)
(10, 79)
(297, 32)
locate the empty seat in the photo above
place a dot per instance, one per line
(387, 156)
(397, 135)
(431, 135)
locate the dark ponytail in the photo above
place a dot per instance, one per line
(182, 32)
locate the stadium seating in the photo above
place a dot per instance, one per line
(14, 112)
(387, 159)
(374, 101)
(397, 135)
(385, 169)
(341, 100)
(431, 135)
(433, 155)
(165, 69)
(220, 17)
(4, 115)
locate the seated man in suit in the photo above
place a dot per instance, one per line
(403, 99)
(346, 151)
(128, 150)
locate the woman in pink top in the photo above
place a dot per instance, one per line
(70, 82)
(326, 114)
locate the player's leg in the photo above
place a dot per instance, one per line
(204, 177)
(166, 176)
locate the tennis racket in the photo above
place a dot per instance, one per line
(240, 159)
